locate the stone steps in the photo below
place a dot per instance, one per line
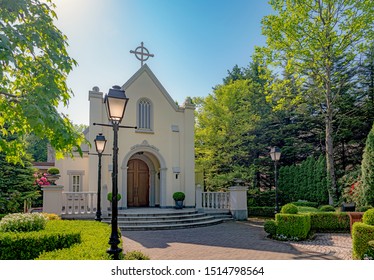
(165, 219)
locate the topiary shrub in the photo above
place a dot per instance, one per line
(362, 234)
(135, 255)
(329, 222)
(368, 217)
(369, 254)
(327, 208)
(179, 196)
(292, 226)
(289, 208)
(110, 197)
(305, 203)
(270, 227)
(20, 222)
(53, 171)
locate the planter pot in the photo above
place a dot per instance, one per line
(178, 204)
(52, 178)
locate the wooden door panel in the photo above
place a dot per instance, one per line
(137, 183)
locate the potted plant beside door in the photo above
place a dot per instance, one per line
(179, 198)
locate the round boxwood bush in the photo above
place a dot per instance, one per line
(179, 196)
(53, 171)
(368, 217)
(19, 222)
(270, 227)
(289, 209)
(327, 208)
(110, 197)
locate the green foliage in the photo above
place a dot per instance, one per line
(261, 211)
(257, 198)
(292, 226)
(16, 185)
(368, 217)
(179, 196)
(305, 181)
(53, 171)
(369, 254)
(270, 227)
(29, 245)
(363, 208)
(34, 66)
(305, 203)
(327, 208)
(367, 169)
(94, 241)
(110, 197)
(306, 209)
(289, 209)
(329, 222)
(135, 255)
(362, 234)
(20, 222)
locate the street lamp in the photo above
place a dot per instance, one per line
(275, 154)
(100, 143)
(115, 102)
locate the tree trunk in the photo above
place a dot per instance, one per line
(330, 166)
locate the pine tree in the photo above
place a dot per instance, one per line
(367, 169)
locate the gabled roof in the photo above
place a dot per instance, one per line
(146, 69)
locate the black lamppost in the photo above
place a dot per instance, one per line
(115, 102)
(100, 143)
(275, 154)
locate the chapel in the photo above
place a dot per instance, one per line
(155, 159)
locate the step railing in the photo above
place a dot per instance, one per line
(215, 200)
(79, 203)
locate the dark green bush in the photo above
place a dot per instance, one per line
(289, 209)
(270, 227)
(292, 226)
(261, 211)
(135, 255)
(179, 196)
(327, 208)
(53, 171)
(305, 203)
(29, 245)
(257, 198)
(368, 217)
(363, 208)
(361, 235)
(329, 222)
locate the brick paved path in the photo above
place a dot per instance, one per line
(233, 241)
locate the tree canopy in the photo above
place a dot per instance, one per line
(34, 65)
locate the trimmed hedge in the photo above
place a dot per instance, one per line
(94, 241)
(329, 221)
(289, 208)
(327, 208)
(270, 227)
(361, 235)
(29, 245)
(261, 212)
(305, 203)
(368, 217)
(292, 226)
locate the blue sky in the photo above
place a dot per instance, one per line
(194, 42)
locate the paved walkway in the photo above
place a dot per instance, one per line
(233, 241)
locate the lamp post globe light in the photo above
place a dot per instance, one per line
(115, 102)
(275, 154)
(100, 143)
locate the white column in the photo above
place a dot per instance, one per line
(52, 199)
(199, 201)
(238, 202)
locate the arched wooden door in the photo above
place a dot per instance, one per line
(137, 183)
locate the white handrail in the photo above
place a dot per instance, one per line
(78, 203)
(216, 200)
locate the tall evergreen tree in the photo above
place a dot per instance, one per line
(367, 169)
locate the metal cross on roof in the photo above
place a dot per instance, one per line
(142, 53)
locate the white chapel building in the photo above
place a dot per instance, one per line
(154, 160)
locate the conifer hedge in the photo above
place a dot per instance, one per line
(306, 181)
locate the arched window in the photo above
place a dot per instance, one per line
(144, 118)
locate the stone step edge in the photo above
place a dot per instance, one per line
(127, 218)
(171, 227)
(163, 222)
